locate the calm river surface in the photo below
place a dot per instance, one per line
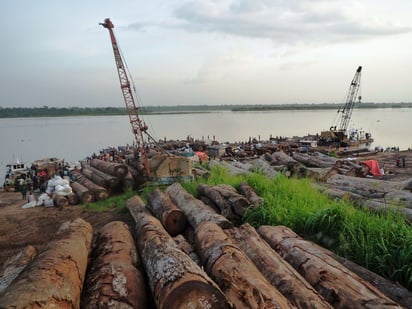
(74, 138)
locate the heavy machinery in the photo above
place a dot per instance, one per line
(161, 167)
(338, 133)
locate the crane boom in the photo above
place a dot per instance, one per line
(138, 126)
(347, 108)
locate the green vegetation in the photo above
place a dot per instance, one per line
(114, 202)
(380, 242)
(45, 111)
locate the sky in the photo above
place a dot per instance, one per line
(214, 52)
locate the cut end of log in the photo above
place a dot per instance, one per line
(196, 295)
(175, 222)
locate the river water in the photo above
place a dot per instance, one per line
(74, 138)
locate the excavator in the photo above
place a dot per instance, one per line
(158, 165)
(338, 132)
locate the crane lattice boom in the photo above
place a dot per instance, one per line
(138, 126)
(347, 108)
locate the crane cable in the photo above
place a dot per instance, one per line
(138, 100)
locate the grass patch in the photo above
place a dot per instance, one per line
(381, 243)
(115, 202)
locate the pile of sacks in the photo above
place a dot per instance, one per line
(56, 185)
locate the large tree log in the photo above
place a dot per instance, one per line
(337, 284)
(102, 179)
(376, 205)
(15, 265)
(72, 198)
(176, 281)
(281, 158)
(232, 205)
(283, 276)
(250, 194)
(263, 166)
(115, 169)
(311, 161)
(243, 284)
(195, 210)
(60, 201)
(183, 244)
(82, 192)
(115, 278)
(55, 277)
(99, 192)
(172, 218)
(393, 290)
(373, 188)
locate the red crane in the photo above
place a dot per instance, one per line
(139, 128)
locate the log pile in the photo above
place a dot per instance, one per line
(338, 178)
(209, 264)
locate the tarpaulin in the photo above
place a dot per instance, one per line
(373, 167)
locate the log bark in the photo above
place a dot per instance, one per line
(373, 188)
(394, 291)
(337, 284)
(311, 161)
(232, 205)
(281, 158)
(72, 198)
(276, 270)
(243, 284)
(172, 218)
(15, 265)
(250, 194)
(175, 280)
(195, 210)
(115, 169)
(186, 247)
(264, 167)
(55, 277)
(376, 205)
(115, 278)
(60, 201)
(94, 177)
(107, 180)
(99, 192)
(82, 192)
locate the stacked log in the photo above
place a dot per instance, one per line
(232, 205)
(240, 280)
(118, 170)
(99, 192)
(393, 290)
(183, 244)
(337, 284)
(115, 278)
(172, 218)
(60, 201)
(99, 177)
(82, 192)
(15, 265)
(54, 279)
(250, 194)
(195, 210)
(72, 198)
(175, 280)
(279, 273)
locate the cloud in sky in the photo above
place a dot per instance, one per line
(204, 52)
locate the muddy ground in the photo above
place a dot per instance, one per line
(36, 226)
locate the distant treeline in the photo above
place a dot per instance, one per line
(45, 111)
